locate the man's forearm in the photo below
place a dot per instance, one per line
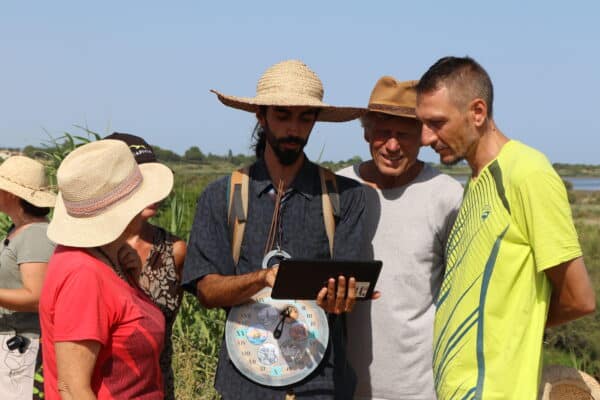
(216, 290)
(559, 313)
(572, 293)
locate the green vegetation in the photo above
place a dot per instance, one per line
(198, 332)
(579, 170)
(577, 344)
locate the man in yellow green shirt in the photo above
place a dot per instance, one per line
(513, 260)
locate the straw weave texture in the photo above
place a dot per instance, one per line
(101, 191)
(104, 171)
(26, 179)
(291, 84)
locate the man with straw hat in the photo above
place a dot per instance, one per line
(287, 104)
(410, 209)
(513, 261)
(26, 198)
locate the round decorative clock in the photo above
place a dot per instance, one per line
(276, 342)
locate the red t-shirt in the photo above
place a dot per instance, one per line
(84, 299)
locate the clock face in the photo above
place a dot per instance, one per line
(276, 342)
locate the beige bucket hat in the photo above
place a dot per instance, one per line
(291, 83)
(565, 383)
(26, 179)
(101, 188)
(390, 96)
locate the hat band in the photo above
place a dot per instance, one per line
(391, 108)
(92, 207)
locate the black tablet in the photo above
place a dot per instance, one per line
(303, 279)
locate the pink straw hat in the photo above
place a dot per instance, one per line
(101, 188)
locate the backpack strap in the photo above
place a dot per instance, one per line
(331, 203)
(237, 212)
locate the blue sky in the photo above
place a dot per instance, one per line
(146, 67)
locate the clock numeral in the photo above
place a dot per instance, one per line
(308, 316)
(246, 353)
(241, 333)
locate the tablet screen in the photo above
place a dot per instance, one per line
(303, 279)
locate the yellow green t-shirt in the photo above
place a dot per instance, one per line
(514, 223)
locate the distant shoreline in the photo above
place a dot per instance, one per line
(576, 183)
(460, 171)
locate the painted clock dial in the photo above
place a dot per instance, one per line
(276, 342)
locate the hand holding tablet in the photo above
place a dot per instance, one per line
(316, 279)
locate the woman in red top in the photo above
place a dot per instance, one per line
(102, 335)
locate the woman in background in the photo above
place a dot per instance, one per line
(102, 335)
(162, 255)
(24, 253)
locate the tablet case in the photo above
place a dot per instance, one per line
(303, 279)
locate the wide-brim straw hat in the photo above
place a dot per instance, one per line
(565, 383)
(101, 189)
(26, 179)
(390, 96)
(291, 84)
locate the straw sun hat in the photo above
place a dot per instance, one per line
(288, 84)
(393, 97)
(565, 383)
(101, 189)
(26, 179)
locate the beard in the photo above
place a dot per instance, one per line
(285, 156)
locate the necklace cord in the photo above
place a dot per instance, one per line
(274, 220)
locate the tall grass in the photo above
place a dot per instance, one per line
(56, 149)
(197, 332)
(577, 344)
(4, 224)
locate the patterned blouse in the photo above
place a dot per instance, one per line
(159, 280)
